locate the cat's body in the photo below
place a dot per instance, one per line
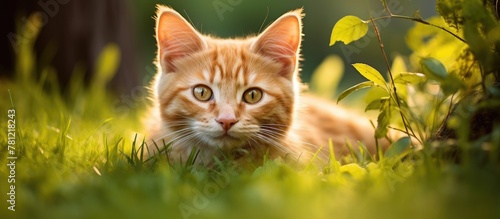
(242, 96)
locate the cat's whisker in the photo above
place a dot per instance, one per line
(295, 140)
(193, 135)
(171, 133)
(208, 152)
(177, 142)
(259, 142)
(273, 124)
(180, 135)
(257, 148)
(273, 141)
(293, 143)
(285, 126)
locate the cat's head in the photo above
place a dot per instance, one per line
(226, 93)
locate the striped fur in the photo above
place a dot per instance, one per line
(281, 124)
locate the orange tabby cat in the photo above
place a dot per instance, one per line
(242, 96)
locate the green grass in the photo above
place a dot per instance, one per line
(73, 162)
(76, 158)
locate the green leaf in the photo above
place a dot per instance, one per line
(398, 65)
(348, 29)
(478, 44)
(451, 12)
(433, 68)
(397, 147)
(326, 77)
(375, 93)
(371, 74)
(356, 87)
(451, 84)
(383, 120)
(354, 170)
(410, 78)
(376, 104)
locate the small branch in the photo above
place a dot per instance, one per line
(390, 75)
(386, 7)
(419, 20)
(410, 134)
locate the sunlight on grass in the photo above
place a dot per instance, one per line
(73, 164)
(78, 158)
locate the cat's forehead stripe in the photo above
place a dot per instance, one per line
(217, 74)
(241, 76)
(252, 77)
(228, 66)
(207, 76)
(215, 57)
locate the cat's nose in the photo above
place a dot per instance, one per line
(226, 121)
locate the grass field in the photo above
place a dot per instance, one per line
(75, 159)
(74, 155)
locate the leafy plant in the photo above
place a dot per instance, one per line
(458, 63)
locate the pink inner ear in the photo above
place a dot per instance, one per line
(281, 41)
(276, 48)
(176, 39)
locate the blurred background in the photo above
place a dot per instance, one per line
(74, 32)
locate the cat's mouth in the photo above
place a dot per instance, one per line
(221, 134)
(225, 139)
(227, 136)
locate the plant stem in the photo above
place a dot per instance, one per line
(390, 75)
(416, 19)
(419, 20)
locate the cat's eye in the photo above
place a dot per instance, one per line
(252, 95)
(202, 93)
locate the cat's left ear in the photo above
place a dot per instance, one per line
(176, 38)
(281, 41)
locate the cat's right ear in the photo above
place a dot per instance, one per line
(281, 42)
(176, 38)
